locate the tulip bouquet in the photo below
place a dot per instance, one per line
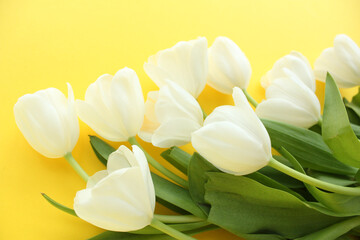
(283, 171)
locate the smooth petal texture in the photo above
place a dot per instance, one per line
(150, 123)
(175, 132)
(114, 204)
(228, 66)
(145, 170)
(294, 63)
(48, 121)
(290, 87)
(280, 109)
(175, 102)
(121, 198)
(114, 106)
(342, 61)
(171, 116)
(230, 148)
(295, 92)
(185, 63)
(233, 138)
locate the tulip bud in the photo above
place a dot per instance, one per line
(185, 63)
(233, 138)
(121, 198)
(290, 95)
(48, 121)
(342, 61)
(228, 66)
(114, 106)
(171, 115)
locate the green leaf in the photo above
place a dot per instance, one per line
(101, 149)
(127, 236)
(182, 227)
(58, 205)
(356, 98)
(281, 177)
(357, 176)
(335, 204)
(178, 158)
(332, 178)
(197, 178)
(171, 206)
(334, 231)
(175, 195)
(336, 130)
(242, 205)
(356, 129)
(352, 110)
(306, 146)
(272, 183)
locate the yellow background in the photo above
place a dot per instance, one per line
(46, 43)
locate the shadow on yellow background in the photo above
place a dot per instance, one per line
(46, 43)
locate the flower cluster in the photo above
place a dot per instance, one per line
(233, 144)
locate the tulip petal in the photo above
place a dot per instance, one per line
(296, 92)
(121, 158)
(96, 121)
(94, 179)
(329, 62)
(40, 123)
(230, 148)
(72, 123)
(228, 66)
(294, 63)
(174, 102)
(281, 109)
(175, 132)
(246, 117)
(342, 61)
(144, 166)
(127, 96)
(150, 123)
(112, 205)
(185, 63)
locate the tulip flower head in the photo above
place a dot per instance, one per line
(114, 106)
(342, 61)
(48, 121)
(171, 115)
(233, 138)
(185, 63)
(290, 92)
(121, 198)
(228, 66)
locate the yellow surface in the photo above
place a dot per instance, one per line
(46, 43)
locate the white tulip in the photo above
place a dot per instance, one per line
(290, 95)
(233, 138)
(48, 121)
(342, 61)
(121, 198)
(114, 106)
(185, 63)
(171, 115)
(228, 66)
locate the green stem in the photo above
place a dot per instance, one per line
(250, 98)
(71, 160)
(313, 181)
(169, 230)
(334, 231)
(204, 113)
(160, 167)
(178, 218)
(320, 122)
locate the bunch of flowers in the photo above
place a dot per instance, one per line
(283, 171)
